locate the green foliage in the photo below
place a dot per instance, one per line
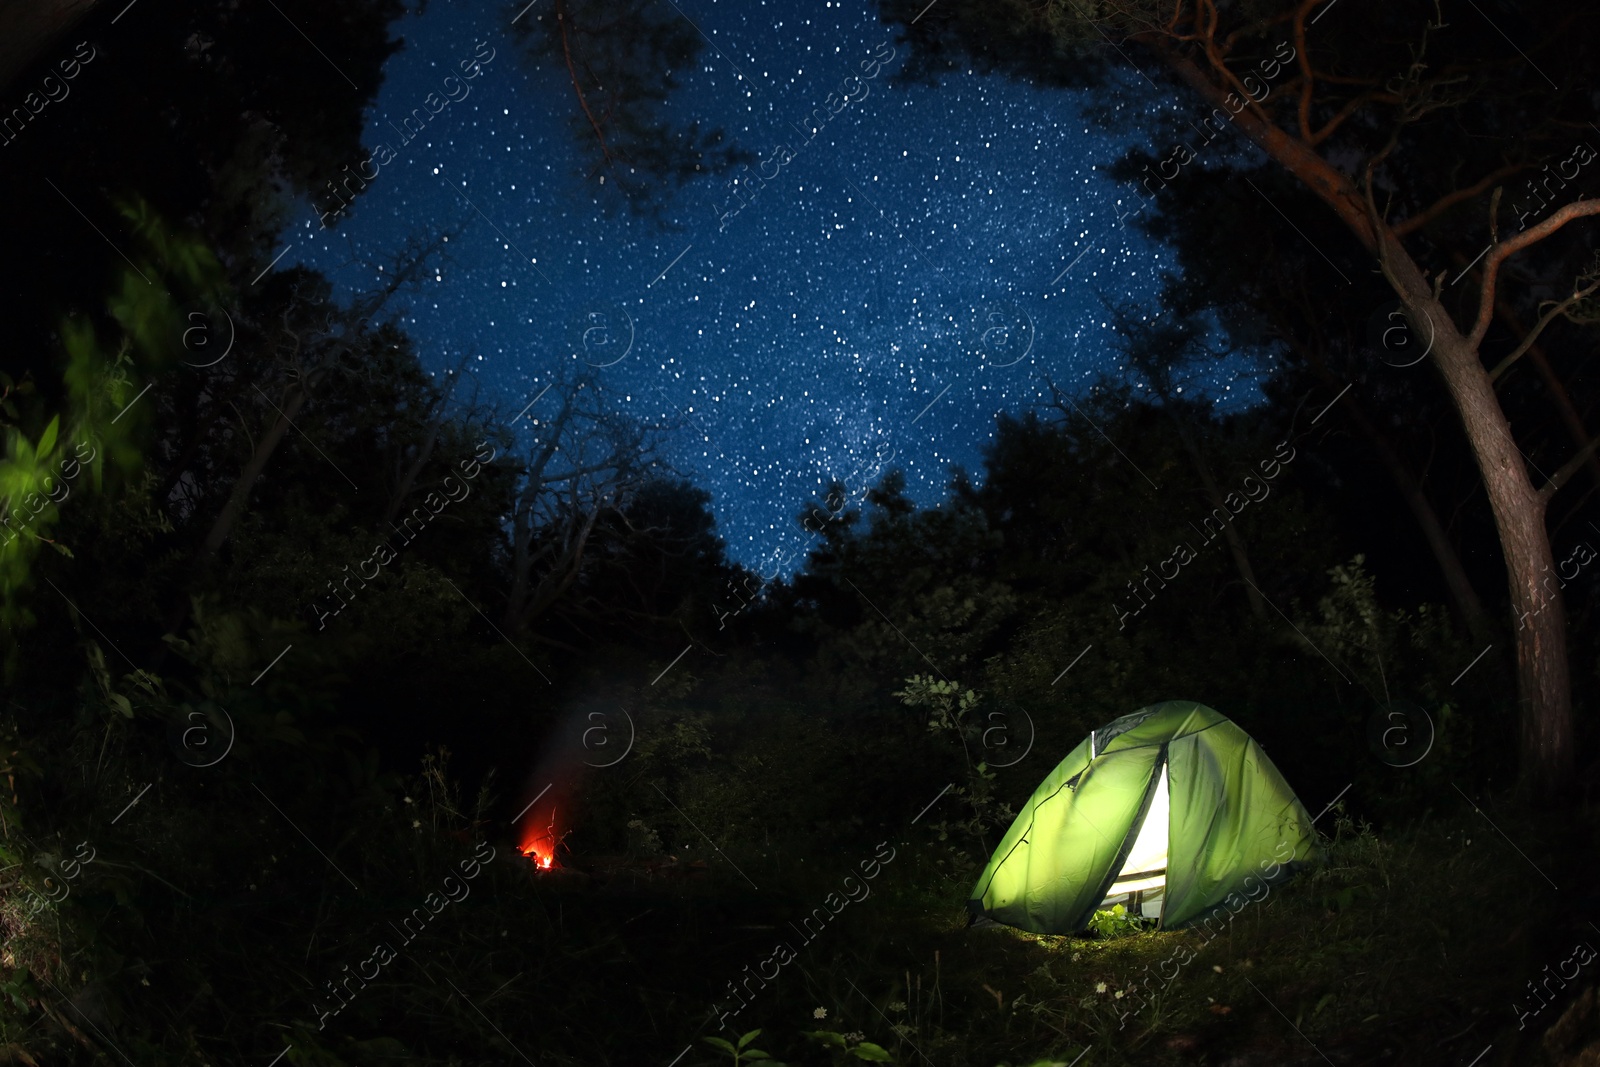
(37, 477)
(742, 1053)
(951, 713)
(947, 702)
(1383, 646)
(777, 753)
(1398, 654)
(1115, 922)
(903, 591)
(365, 762)
(846, 1047)
(18, 989)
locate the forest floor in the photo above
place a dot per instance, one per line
(1419, 945)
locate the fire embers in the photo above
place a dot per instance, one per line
(539, 843)
(596, 734)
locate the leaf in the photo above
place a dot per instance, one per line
(47, 441)
(717, 1042)
(755, 1054)
(747, 1038)
(122, 704)
(868, 1051)
(827, 1037)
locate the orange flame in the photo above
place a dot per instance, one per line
(539, 844)
(543, 860)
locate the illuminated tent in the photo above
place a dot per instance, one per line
(1169, 811)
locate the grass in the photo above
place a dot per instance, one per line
(1406, 945)
(1403, 945)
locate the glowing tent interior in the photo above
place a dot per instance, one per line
(1172, 811)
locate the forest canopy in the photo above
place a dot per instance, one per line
(352, 715)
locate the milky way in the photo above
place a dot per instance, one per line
(883, 282)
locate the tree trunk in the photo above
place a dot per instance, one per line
(1467, 603)
(522, 527)
(563, 573)
(1543, 680)
(1444, 552)
(1558, 391)
(234, 508)
(222, 527)
(1546, 763)
(408, 478)
(522, 561)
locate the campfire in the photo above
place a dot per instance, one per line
(553, 785)
(539, 842)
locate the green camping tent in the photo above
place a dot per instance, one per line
(1173, 811)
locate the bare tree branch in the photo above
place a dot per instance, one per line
(1450, 200)
(1557, 309)
(1505, 249)
(1569, 468)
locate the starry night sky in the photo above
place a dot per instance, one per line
(916, 268)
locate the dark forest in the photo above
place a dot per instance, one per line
(357, 711)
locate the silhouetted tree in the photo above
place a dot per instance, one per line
(1364, 117)
(623, 59)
